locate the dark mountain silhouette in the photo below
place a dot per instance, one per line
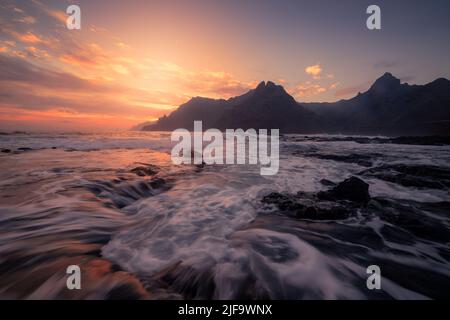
(390, 108)
(268, 106)
(387, 108)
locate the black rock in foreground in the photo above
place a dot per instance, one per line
(338, 203)
(352, 189)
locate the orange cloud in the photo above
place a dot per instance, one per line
(88, 55)
(57, 14)
(314, 70)
(37, 53)
(215, 84)
(219, 84)
(77, 59)
(28, 37)
(29, 87)
(306, 89)
(122, 45)
(334, 85)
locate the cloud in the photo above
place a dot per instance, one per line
(81, 58)
(221, 84)
(47, 71)
(58, 15)
(334, 86)
(307, 89)
(314, 71)
(27, 86)
(37, 53)
(21, 71)
(122, 45)
(28, 37)
(215, 84)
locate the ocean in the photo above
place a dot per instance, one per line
(140, 227)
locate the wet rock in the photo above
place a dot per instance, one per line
(411, 140)
(5, 150)
(338, 203)
(157, 183)
(302, 206)
(284, 202)
(143, 171)
(99, 280)
(122, 194)
(352, 189)
(420, 176)
(424, 140)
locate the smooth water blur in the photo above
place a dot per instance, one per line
(201, 231)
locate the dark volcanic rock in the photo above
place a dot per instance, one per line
(303, 206)
(338, 203)
(157, 183)
(145, 171)
(420, 176)
(425, 140)
(5, 150)
(409, 140)
(284, 202)
(353, 189)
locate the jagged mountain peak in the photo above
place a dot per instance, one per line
(269, 88)
(387, 83)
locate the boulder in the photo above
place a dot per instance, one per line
(145, 171)
(352, 189)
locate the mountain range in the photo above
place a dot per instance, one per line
(387, 108)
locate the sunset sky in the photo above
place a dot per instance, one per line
(134, 61)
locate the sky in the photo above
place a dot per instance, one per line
(136, 60)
